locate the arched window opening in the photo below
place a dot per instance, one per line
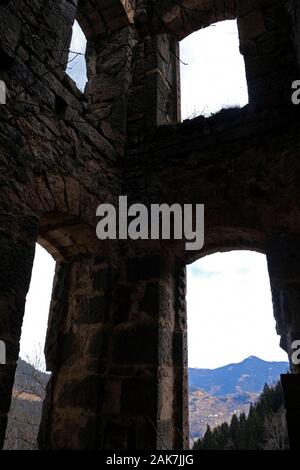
(212, 71)
(76, 67)
(31, 378)
(233, 349)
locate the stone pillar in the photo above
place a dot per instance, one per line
(76, 353)
(147, 408)
(265, 31)
(154, 97)
(117, 349)
(293, 8)
(17, 245)
(283, 255)
(109, 65)
(291, 392)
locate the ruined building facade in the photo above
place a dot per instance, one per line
(116, 342)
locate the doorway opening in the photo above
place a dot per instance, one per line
(233, 346)
(31, 377)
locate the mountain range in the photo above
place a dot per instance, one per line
(249, 375)
(214, 395)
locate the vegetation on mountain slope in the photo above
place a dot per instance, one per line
(264, 428)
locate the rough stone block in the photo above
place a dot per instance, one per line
(251, 26)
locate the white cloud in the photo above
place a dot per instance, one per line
(37, 304)
(76, 68)
(230, 313)
(215, 74)
(78, 43)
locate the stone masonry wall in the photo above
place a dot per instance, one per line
(116, 342)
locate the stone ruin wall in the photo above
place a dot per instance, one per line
(116, 342)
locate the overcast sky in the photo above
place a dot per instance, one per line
(214, 76)
(229, 301)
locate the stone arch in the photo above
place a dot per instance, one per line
(57, 167)
(224, 273)
(256, 23)
(282, 252)
(104, 18)
(65, 236)
(223, 239)
(60, 214)
(185, 17)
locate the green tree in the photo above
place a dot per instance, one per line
(234, 431)
(209, 440)
(222, 436)
(263, 428)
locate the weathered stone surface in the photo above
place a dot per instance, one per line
(143, 268)
(72, 395)
(117, 333)
(251, 26)
(138, 396)
(291, 390)
(143, 340)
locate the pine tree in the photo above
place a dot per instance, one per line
(208, 441)
(242, 436)
(223, 436)
(234, 431)
(254, 431)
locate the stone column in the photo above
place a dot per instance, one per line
(283, 255)
(76, 353)
(147, 406)
(154, 95)
(291, 391)
(117, 349)
(17, 245)
(109, 65)
(270, 64)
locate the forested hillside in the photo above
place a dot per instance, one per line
(264, 428)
